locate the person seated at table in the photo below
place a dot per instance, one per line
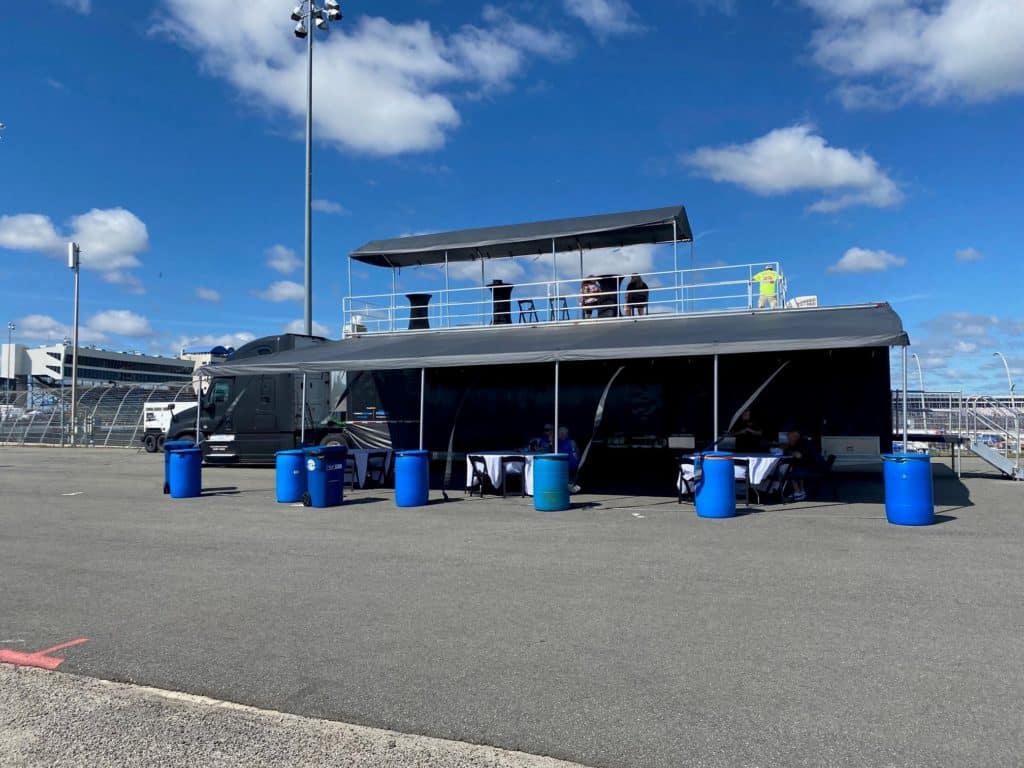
(749, 435)
(636, 296)
(807, 462)
(568, 446)
(544, 443)
(590, 298)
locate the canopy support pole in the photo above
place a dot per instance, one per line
(394, 290)
(302, 429)
(199, 411)
(447, 296)
(693, 263)
(715, 406)
(581, 263)
(554, 443)
(675, 266)
(552, 309)
(905, 428)
(423, 388)
(483, 294)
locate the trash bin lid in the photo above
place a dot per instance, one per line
(292, 452)
(412, 453)
(906, 457)
(551, 457)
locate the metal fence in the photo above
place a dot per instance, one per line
(108, 415)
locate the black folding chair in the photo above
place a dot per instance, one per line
(351, 479)
(517, 465)
(685, 486)
(376, 469)
(777, 483)
(744, 481)
(480, 476)
(528, 311)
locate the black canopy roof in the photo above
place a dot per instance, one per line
(874, 325)
(604, 231)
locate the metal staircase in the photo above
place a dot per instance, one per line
(992, 433)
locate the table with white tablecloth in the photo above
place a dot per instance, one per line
(496, 470)
(762, 465)
(361, 458)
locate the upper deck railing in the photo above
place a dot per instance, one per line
(566, 300)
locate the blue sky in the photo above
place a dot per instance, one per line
(871, 146)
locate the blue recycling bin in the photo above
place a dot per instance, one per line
(551, 482)
(325, 475)
(412, 478)
(186, 473)
(169, 447)
(290, 476)
(909, 495)
(715, 484)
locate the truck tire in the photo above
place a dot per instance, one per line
(333, 439)
(149, 442)
(160, 443)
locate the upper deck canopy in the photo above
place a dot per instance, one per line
(612, 230)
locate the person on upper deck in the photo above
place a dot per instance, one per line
(636, 296)
(590, 297)
(768, 281)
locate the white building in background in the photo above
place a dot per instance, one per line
(201, 356)
(22, 367)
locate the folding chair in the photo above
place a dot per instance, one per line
(685, 486)
(777, 483)
(744, 481)
(351, 480)
(558, 308)
(528, 311)
(376, 469)
(513, 465)
(479, 475)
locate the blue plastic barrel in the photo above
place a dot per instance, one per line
(186, 473)
(551, 482)
(169, 447)
(290, 476)
(715, 481)
(412, 478)
(909, 496)
(325, 475)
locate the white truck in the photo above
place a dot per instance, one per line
(157, 420)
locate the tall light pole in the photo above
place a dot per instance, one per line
(308, 14)
(10, 361)
(74, 263)
(1009, 378)
(920, 378)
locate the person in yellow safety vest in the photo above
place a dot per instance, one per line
(768, 280)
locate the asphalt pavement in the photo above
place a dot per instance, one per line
(625, 632)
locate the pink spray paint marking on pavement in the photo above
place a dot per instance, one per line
(40, 659)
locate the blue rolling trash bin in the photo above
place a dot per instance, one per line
(169, 447)
(325, 475)
(412, 478)
(186, 473)
(551, 482)
(290, 476)
(715, 479)
(909, 495)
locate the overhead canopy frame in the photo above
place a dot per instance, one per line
(613, 230)
(872, 325)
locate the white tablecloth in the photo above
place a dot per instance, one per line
(362, 461)
(761, 468)
(493, 461)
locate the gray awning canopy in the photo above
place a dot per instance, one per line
(659, 225)
(875, 325)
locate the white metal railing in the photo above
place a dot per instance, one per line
(674, 292)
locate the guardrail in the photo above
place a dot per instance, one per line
(592, 297)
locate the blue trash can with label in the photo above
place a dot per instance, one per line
(412, 478)
(186, 473)
(325, 475)
(714, 484)
(909, 495)
(551, 482)
(169, 447)
(290, 476)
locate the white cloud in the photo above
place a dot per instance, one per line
(966, 347)
(41, 327)
(797, 159)
(864, 260)
(208, 294)
(605, 18)
(78, 6)
(507, 270)
(283, 290)
(282, 259)
(329, 206)
(924, 50)
(111, 240)
(380, 87)
(969, 254)
(235, 340)
(120, 322)
(299, 326)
